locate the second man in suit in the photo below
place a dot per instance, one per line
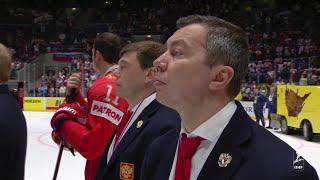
(147, 119)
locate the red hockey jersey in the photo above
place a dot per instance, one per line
(105, 110)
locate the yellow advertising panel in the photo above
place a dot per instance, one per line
(33, 104)
(238, 97)
(299, 105)
(52, 103)
(42, 103)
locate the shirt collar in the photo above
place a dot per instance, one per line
(214, 126)
(145, 102)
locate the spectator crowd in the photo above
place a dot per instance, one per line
(284, 45)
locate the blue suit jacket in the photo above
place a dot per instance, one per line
(261, 100)
(157, 120)
(256, 154)
(13, 137)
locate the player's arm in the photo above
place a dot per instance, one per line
(73, 124)
(90, 133)
(105, 114)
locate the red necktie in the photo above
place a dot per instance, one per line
(187, 148)
(121, 127)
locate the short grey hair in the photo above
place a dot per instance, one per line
(226, 44)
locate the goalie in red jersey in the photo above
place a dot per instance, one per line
(88, 126)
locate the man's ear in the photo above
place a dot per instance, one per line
(5, 69)
(98, 54)
(148, 75)
(221, 76)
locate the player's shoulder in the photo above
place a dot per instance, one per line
(107, 81)
(110, 76)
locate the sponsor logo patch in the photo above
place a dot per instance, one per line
(106, 111)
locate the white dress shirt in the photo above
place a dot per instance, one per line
(210, 131)
(137, 109)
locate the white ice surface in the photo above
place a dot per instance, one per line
(42, 152)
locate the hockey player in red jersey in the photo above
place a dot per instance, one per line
(88, 126)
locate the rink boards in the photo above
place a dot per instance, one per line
(52, 103)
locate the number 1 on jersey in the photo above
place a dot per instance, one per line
(108, 99)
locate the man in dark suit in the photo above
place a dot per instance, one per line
(13, 134)
(199, 75)
(259, 102)
(147, 120)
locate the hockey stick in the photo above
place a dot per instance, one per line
(56, 169)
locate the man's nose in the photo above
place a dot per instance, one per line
(160, 63)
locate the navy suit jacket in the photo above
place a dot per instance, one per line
(157, 120)
(261, 100)
(256, 154)
(13, 137)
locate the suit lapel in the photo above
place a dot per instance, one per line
(134, 130)
(165, 165)
(236, 133)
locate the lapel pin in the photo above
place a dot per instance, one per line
(139, 124)
(126, 171)
(224, 159)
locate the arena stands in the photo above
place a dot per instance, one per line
(283, 39)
